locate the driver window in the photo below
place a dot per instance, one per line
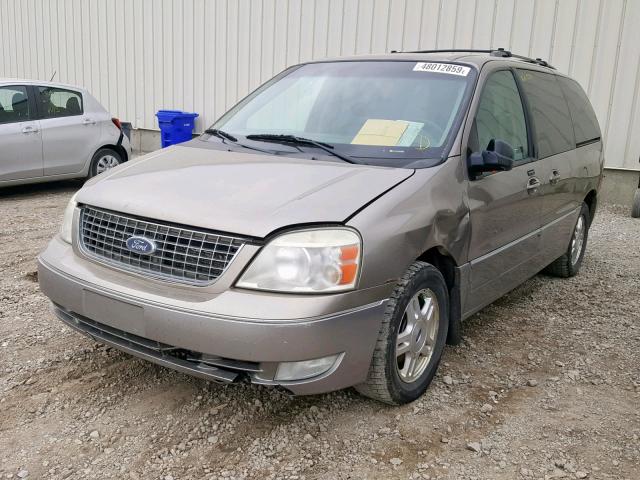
(500, 116)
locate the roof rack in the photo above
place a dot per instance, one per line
(499, 52)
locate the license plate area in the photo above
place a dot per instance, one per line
(115, 313)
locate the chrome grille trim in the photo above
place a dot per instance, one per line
(183, 255)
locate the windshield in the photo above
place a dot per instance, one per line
(384, 113)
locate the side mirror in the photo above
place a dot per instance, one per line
(497, 157)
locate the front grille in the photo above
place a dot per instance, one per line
(182, 255)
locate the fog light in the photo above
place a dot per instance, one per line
(288, 371)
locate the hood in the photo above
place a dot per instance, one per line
(241, 193)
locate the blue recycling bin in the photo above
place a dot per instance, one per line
(176, 126)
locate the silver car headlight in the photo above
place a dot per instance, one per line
(308, 261)
(67, 220)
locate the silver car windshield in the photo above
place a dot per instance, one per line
(381, 112)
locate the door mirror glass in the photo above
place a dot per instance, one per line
(498, 157)
(502, 148)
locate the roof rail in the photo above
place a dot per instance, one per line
(499, 52)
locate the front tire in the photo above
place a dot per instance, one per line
(411, 338)
(568, 265)
(103, 160)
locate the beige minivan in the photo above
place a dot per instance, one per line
(336, 226)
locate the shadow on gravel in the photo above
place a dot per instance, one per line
(277, 404)
(31, 276)
(521, 292)
(16, 192)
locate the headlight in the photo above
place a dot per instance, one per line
(309, 261)
(67, 220)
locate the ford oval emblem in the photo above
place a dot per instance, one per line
(141, 245)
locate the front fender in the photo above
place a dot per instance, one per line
(428, 210)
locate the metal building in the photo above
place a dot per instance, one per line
(138, 56)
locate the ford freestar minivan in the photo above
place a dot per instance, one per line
(336, 226)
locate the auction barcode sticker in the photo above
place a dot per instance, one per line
(449, 68)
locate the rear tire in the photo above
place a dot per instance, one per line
(103, 160)
(411, 339)
(635, 206)
(568, 265)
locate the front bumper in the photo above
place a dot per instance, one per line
(189, 337)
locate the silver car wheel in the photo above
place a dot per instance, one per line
(416, 339)
(577, 242)
(105, 163)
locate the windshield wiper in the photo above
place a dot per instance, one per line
(277, 138)
(221, 134)
(216, 132)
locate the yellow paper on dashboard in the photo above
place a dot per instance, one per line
(380, 132)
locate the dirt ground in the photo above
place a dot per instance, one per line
(545, 385)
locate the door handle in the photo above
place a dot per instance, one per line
(88, 121)
(29, 129)
(555, 176)
(533, 184)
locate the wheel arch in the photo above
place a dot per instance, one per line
(119, 149)
(116, 148)
(591, 200)
(440, 258)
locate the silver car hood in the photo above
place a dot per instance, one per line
(242, 193)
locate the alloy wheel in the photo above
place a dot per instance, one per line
(416, 339)
(105, 163)
(577, 242)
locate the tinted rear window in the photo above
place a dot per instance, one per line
(551, 118)
(59, 102)
(585, 122)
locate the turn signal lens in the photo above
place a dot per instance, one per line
(309, 261)
(349, 257)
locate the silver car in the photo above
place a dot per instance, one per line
(53, 131)
(336, 226)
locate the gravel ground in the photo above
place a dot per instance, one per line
(545, 385)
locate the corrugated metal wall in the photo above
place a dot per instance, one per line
(138, 56)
